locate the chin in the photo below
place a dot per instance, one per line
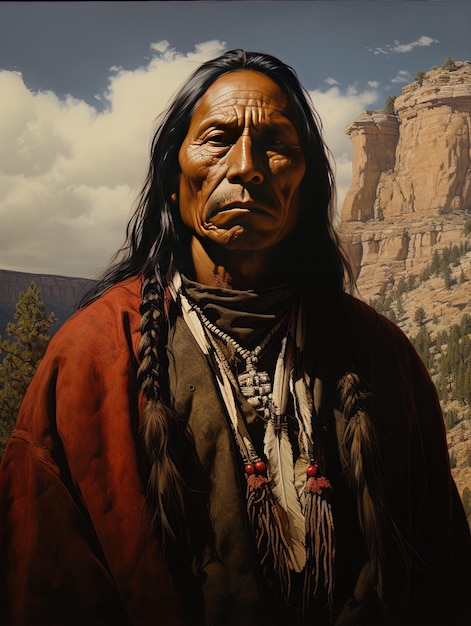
(250, 241)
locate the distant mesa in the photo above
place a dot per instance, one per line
(60, 294)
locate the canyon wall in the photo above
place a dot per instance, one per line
(411, 181)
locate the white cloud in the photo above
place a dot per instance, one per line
(69, 173)
(402, 48)
(337, 109)
(377, 50)
(403, 76)
(331, 81)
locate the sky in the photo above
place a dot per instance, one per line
(82, 84)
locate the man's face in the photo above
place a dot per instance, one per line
(241, 164)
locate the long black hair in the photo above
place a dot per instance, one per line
(155, 234)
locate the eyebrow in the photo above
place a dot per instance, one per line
(278, 120)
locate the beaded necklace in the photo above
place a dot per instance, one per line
(255, 386)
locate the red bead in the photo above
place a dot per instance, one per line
(311, 470)
(260, 466)
(250, 468)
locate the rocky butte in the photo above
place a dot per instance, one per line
(411, 181)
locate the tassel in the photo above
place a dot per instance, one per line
(268, 528)
(320, 542)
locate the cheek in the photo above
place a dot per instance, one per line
(191, 167)
(197, 168)
(188, 201)
(290, 186)
(288, 176)
(194, 198)
(292, 213)
(190, 183)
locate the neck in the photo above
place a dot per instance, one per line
(236, 269)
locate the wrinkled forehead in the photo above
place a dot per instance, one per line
(244, 92)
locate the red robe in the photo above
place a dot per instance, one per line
(77, 545)
(76, 538)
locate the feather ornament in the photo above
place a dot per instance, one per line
(300, 392)
(300, 467)
(279, 453)
(303, 414)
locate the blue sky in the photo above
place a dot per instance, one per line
(82, 83)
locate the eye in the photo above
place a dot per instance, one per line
(218, 138)
(276, 144)
(273, 142)
(286, 147)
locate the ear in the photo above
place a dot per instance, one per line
(174, 197)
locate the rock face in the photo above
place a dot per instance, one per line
(59, 294)
(411, 185)
(375, 137)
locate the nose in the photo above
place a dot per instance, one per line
(244, 166)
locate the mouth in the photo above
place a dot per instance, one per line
(235, 209)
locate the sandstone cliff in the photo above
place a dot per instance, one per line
(411, 181)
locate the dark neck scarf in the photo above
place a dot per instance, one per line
(244, 315)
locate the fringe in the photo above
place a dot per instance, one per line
(320, 570)
(272, 546)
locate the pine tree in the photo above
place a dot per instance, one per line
(447, 277)
(465, 324)
(420, 316)
(411, 282)
(419, 77)
(389, 105)
(20, 355)
(449, 64)
(467, 386)
(401, 287)
(435, 264)
(466, 497)
(423, 344)
(459, 390)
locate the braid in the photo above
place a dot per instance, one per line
(148, 372)
(169, 445)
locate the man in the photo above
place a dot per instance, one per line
(222, 434)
